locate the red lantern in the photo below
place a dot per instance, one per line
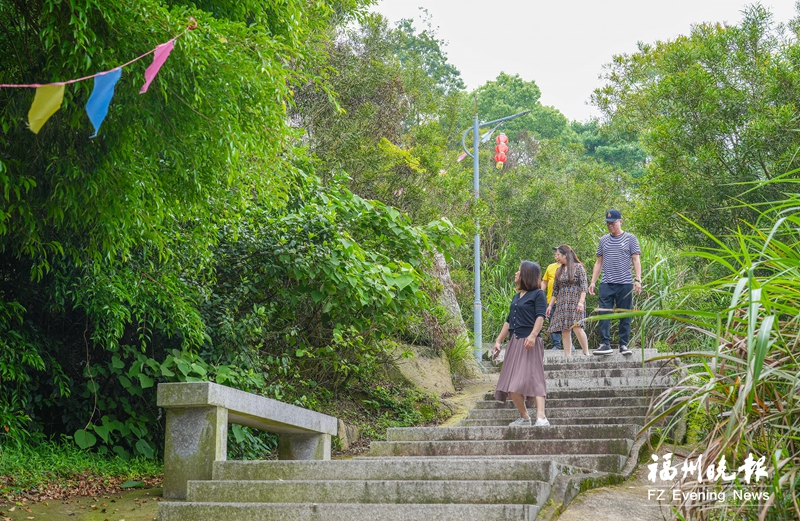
(501, 149)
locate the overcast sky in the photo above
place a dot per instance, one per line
(560, 44)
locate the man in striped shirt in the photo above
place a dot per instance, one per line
(615, 254)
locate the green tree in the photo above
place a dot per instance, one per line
(602, 143)
(112, 248)
(392, 116)
(509, 95)
(423, 50)
(716, 108)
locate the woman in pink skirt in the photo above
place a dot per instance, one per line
(523, 367)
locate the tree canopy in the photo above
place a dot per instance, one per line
(714, 109)
(192, 238)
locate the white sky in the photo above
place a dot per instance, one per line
(561, 44)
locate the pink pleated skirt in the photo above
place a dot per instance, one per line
(523, 370)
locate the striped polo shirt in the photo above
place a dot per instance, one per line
(616, 253)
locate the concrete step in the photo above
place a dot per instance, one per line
(557, 356)
(511, 433)
(383, 491)
(561, 413)
(381, 469)
(596, 392)
(554, 403)
(571, 382)
(307, 511)
(561, 422)
(603, 372)
(586, 462)
(648, 353)
(598, 363)
(500, 447)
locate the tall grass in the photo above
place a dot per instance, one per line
(747, 381)
(497, 283)
(668, 283)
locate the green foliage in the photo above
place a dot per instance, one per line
(698, 424)
(715, 108)
(746, 383)
(245, 443)
(508, 95)
(19, 359)
(460, 356)
(26, 468)
(393, 113)
(423, 51)
(391, 406)
(191, 240)
(307, 293)
(601, 143)
(557, 200)
(669, 282)
(497, 278)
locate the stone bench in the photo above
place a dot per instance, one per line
(198, 414)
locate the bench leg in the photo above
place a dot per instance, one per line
(195, 438)
(304, 446)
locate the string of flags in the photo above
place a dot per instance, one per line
(48, 97)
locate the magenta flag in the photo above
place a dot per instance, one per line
(159, 57)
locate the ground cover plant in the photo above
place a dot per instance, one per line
(53, 471)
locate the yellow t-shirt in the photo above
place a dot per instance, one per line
(550, 278)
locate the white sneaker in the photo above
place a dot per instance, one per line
(520, 422)
(541, 422)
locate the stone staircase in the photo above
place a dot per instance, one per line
(480, 470)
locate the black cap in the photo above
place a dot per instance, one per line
(613, 215)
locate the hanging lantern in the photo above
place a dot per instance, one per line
(501, 149)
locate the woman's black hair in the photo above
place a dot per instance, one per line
(572, 260)
(529, 276)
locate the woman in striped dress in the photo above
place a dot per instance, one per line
(569, 292)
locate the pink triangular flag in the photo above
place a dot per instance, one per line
(462, 156)
(159, 57)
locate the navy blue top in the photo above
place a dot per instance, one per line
(524, 312)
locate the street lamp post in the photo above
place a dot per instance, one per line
(477, 139)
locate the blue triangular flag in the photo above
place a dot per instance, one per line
(97, 106)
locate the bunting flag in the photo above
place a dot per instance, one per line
(48, 97)
(159, 57)
(97, 106)
(46, 102)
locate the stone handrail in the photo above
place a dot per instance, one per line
(198, 414)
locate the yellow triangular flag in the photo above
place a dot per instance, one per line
(46, 102)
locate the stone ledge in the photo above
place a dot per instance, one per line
(245, 408)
